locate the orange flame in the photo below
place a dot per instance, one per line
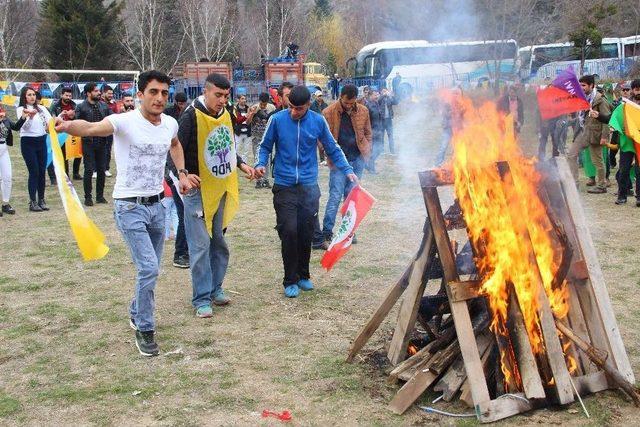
(499, 216)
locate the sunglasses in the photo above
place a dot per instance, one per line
(626, 90)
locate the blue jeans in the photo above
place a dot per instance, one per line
(208, 256)
(444, 145)
(339, 188)
(142, 227)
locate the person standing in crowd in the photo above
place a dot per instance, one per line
(170, 212)
(242, 127)
(107, 98)
(142, 139)
(350, 125)
(6, 141)
(628, 152)
(334, 83)
(262, 111)
(296, 195)
(128, 104)
(65, 108)
(366, 91)
(319, 104)
(179, 105)
(377, 130)
(387, 101)
(452, 114)
(510, 103)
(395, 83)
(94, 149)
(208, 209)
(33, 144)
(592, 134)
(554, 128)
(181, 247)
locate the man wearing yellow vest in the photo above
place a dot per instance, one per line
(206, 134)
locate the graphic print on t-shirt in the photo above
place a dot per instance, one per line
(144, 170)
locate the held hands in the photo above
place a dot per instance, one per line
(249, 172)
(353, 178)
(604, 141)
(259, 172)
(188, 182)
(594, 114)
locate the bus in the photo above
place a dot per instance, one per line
(612, 59)
(425, 66)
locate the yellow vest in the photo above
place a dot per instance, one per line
(218, 166)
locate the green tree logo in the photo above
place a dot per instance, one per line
(219, 144)
(344, 224)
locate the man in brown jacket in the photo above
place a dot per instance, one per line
(593, 134)
(350, 126)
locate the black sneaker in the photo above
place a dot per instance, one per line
(43, 205)
(88, 202)
(638, 203)
(181, 261)
(101, 200)
(621, 201)
(266, 184)
(77, 177)
(6, 208)
(146, 343)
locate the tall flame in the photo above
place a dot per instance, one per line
(498, 217)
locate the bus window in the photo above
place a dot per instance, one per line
(631, 50)
(609, 50)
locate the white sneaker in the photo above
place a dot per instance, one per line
(95, 175)
(107, 173)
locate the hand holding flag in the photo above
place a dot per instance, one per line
(563, 96)
(354, 209)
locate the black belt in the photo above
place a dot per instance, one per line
(144, 200)
(3, 142)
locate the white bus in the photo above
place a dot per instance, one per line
(612, 59)
(424, 65)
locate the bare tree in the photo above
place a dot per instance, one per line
(146, 38)
(18, 24)
(209, 27)
(276, 23)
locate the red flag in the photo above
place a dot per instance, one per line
(354, 209)
(554, 102)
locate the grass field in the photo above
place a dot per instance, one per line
(67, 355)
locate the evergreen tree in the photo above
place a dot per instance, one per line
(80, 34)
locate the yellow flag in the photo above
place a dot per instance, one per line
(9, 100)
(73, 147)
(88, 236)
(632, 125)
(217, 164)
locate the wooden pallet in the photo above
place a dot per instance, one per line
(590, 315)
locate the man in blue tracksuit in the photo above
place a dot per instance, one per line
(294, 132)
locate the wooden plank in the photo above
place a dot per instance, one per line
(459, 310)
(531, 381)
(412, 390)
(578, 324)
(436, 177)
(420, 357)
(591, 383)
(411, 303)
(597, 284)
(503, 407)
(391, 297)
(464, 290)
(553, 347)
(452, 380)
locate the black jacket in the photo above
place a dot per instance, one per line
(84, 112)
(503, 106)
(12, 126)
(188, 136)
(389, 101)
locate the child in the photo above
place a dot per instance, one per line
(170, 214)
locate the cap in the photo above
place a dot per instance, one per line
(317, 93)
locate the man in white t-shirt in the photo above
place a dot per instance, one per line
(141, 139)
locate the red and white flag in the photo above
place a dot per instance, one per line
(354, 209)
